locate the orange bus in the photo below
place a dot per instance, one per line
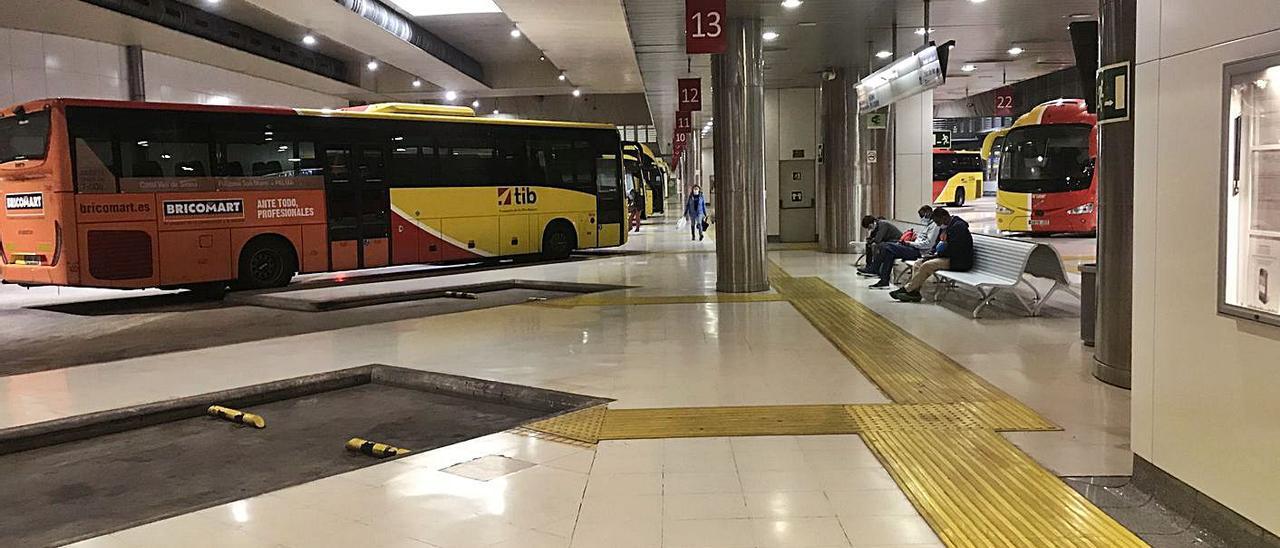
(131, 195)
(1048, 183)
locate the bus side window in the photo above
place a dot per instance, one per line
(163, 144)
(261, 148)
(95, 167)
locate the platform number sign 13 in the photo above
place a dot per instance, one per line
(689, 93)
(684, 122)
(704, 26)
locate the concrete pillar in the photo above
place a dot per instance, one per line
(838, 178)
(876, 188)
(1114, 336)
(136, 81)
(737, 76)
(913, 154)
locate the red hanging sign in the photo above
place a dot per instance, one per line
(704, 26)
(1003, 102)
(689, 94)
(684, 122)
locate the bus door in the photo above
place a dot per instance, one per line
(358, 205)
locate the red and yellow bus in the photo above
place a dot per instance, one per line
(1047, 178)
(132, 195)
(957, 176)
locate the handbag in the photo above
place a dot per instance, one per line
(704, 226)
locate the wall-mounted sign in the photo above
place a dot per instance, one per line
(704, 22)
(942, 138)
(797, 196)
(1003, 102)
(684, 122)
(924, 69)
(689, 94)
(877, 120)
(872, 157)
(797, 153)
(1113, 93)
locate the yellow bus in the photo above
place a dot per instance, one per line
(130, 195)
(957, 176)
(638, 164)
(992, 146)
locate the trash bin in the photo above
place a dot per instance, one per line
(1088, 301)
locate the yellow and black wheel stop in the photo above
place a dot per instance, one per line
(374, 449)
(237, 416)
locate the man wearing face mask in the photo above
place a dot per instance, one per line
(695, 210)
(925, 239)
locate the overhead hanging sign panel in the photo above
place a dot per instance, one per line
(704, 30)
(684, 122)
(921, 71)
(689, 94)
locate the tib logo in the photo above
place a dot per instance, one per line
(516, 196)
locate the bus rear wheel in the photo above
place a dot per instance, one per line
(265, 263)
(959, 198)
(558, 242)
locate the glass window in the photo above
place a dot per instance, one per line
(264, 149)
(468, 163)
(1251, 204)
(1046, 158)
(95, 164)
(24, 137)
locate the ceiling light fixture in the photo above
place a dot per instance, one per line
(424, 8)
(1015, 50)
(577, 92)
(770, 36)
(495, 112)
(417, 83)
(1081, 16)
(884, 54)
(450, 96)
(373, 65)
(475, 104)
(515, 32)
(969, 68)
(563, 77)
(309, 40)
(791, 4)
(920, 31)
(977, 1)
(542, 58)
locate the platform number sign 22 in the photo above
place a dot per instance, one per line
(704, 26)
(689, 92)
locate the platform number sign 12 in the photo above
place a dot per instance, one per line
(704, 26)
(689, 93)
(684, 122)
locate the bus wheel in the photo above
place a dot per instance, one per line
(266, 262)
(559, 241)
(959, 199)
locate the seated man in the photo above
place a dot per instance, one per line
(879, 231)
(953, 252)
(907, 250)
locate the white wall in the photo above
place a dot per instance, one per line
(913, 154)
(1205, 403)
(37, 66)
(790, 123)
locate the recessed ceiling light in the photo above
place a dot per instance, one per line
(417, 83)
(1081, 15)
(563, 77)
(373, 65)
(884, 54)
(515, 32)
(495, 112)
(542, 58)
(969, 68)
(791, 4)
(770, 36)
(807, 24)
(475, 104)
(309, 40)
(977, 1)
(212, 2)
(577, 92)
(1015, 50)
(450, 95)
(423, 8)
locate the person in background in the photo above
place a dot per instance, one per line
(909, 249)
(879, 231)
(635, 201)
(695, 210)
(954, 251)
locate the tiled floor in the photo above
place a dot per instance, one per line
(783, 491)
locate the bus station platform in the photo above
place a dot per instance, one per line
(820, 413)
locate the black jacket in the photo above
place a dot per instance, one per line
(882, 232)
(956, 243)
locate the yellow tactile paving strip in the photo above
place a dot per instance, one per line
(938, 439)
(630, 300)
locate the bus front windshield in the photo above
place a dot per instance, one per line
(1046, 158)
(24, 137)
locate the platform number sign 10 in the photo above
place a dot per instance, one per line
(704, 26)
(689, 93)
(684, 122)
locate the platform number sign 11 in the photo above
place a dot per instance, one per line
(704, 26)
(684, 122)
(689, 93)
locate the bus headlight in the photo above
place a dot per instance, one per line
(1086, 208)
(1003, 210)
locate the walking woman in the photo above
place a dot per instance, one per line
(695, 209)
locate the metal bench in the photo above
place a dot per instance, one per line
(1001, 265)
